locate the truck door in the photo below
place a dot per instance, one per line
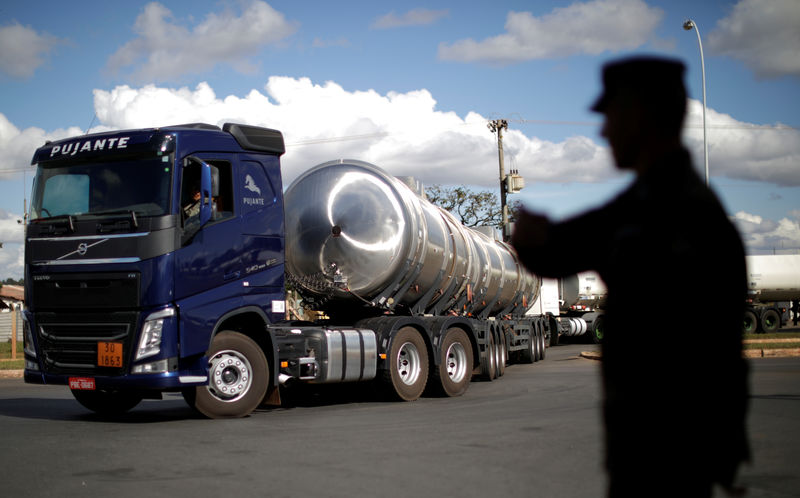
(210, 253)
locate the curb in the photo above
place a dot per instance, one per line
(772, 353)
(11, 374)
(747, 353)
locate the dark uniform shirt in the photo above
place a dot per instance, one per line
(674, 378)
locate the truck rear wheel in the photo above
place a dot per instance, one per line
(750, 323)
(597, 331)
(454, 371)
(408, 365)
(501, 354)
(542, 342)
(107, 402)
(770, 321)
(529, 353)
(238, 378)
(489, 365)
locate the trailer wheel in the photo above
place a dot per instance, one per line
(107, 402)
(528, 355)
(770, 321)
(489, 364)
(554, 331)
(750, 323)
(238, 378)
(501, 354)
(454, 371)
(542, 343)
(537, 343)
(408, 365)
(597, 331)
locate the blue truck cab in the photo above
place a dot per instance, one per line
(141, 247)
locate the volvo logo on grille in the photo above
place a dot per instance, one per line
(82, 248)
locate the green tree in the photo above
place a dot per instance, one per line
(471, 208)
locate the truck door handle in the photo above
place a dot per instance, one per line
(232, 275)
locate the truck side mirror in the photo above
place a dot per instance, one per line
(209, 188)
(205, 193)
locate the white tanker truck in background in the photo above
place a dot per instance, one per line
(575, 303)
(773, 285)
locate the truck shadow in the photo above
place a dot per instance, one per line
(309, 395)
(148, 411)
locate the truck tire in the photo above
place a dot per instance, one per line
(238, 378)
(750, 322)
(489, 365)
(408, 365)
(554, 331)
(542, 343)
(770, 321)
(107, 402)
(501, 354)
(597, 331)
(528, 355)
(537, 343)
(454, 371)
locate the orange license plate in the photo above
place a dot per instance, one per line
(109, 354)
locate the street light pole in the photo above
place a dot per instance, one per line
(688, 25)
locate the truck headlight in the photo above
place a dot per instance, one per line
(27, 338)
(150, 340)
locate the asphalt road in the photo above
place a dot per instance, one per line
(534, 432)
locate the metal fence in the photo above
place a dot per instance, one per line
(5, 326)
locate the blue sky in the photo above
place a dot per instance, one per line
(410, 87)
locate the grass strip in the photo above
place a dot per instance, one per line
(772, 345)
(785, 335)
(12, 364)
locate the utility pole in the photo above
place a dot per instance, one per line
(497, 126)
(509, 184)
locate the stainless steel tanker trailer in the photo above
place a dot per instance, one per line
(367, 250)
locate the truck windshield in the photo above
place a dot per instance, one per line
(139, 186)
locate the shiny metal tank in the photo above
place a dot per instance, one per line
(354, 232)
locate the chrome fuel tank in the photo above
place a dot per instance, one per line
(354, 232)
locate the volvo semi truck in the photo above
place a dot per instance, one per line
(158, 260)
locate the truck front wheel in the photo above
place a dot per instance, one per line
(454, 371)
(408, 365)
(238, 378)
(107, 402)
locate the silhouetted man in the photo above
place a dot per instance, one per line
(675, 383)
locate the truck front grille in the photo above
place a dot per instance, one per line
(68, 342)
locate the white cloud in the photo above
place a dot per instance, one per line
(165, 50)
(23, 50)
(407, 135)
(769, 153)
(11, 231)
(765, 236)
(582, 28)
(17, 146)
(414, 17)
(401, 132)
(12, 254)
(764, 34)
